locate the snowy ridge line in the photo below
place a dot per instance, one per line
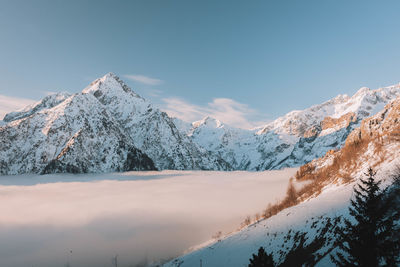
(294, 139)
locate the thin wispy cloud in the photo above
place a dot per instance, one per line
(8, 104)
(143, 79)
(154, 92)
(226, 110)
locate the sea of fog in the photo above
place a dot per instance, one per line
(143, 217)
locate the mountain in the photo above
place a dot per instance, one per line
(310, 226)
(234, 145)
(96, 130)
(107, 127)
(78, 135)
(294, 139)
(152, 130)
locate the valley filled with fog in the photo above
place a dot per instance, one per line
(143, 217)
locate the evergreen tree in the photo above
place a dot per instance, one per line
(262, 259)
(370, 240)
(308, 251)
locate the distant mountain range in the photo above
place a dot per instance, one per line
(108, 127)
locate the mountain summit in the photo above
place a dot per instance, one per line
(106, 128)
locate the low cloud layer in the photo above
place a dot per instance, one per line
(9, 104)
(226, 110)
(141, 216)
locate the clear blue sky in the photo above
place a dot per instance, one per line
(273, 56)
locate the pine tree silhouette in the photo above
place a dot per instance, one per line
(370, 240)
(262, 259)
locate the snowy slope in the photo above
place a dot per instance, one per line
(294, 139)
(236, 249)
(277, 234)
(376, 144)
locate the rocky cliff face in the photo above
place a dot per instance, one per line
(384, 126)
(375, 142)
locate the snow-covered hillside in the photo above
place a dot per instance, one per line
(272, 234)
(293, 227)
(294, 139)
(331, 179)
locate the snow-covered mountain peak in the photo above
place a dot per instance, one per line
(208, 122)
(109, 84)
(151, 130)
(120, 99)
(363, 103)
(366, 102)
(47, 102)
(362, 91)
